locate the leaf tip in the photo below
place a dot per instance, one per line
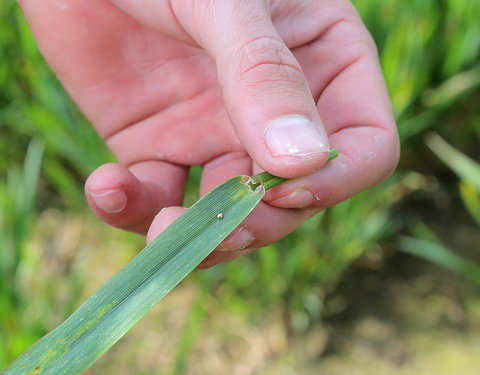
(332, 154)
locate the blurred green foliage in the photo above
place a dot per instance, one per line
(425, 243)
(429, 52)
(17, 194)
(32, 103)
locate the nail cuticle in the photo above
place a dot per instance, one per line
(111, 201)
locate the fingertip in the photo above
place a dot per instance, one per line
(118, 198)
(110, 201)
(105, 189)
(130, 198)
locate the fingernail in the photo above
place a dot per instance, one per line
(111, 201)
(295, 135)
(239, 240)
(299, 198)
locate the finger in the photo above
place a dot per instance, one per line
(130, 198)
(329, 35)
(361, 164)
(265, 91)
(197, 138)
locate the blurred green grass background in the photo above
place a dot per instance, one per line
(297, 305)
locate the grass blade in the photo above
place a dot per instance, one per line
(441, 255)
(466, 168)
(471, 198)
(109, 313)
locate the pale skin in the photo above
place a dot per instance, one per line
(174, 83)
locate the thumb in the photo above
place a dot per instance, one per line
(265, 90)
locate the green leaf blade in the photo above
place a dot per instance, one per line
(108, 314)
(464, 167)
(438, 253)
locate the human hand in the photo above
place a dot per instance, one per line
(174, 83)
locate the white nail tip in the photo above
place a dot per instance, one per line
(295, 135)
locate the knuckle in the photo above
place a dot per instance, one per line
(350, 34)
(268, 62)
